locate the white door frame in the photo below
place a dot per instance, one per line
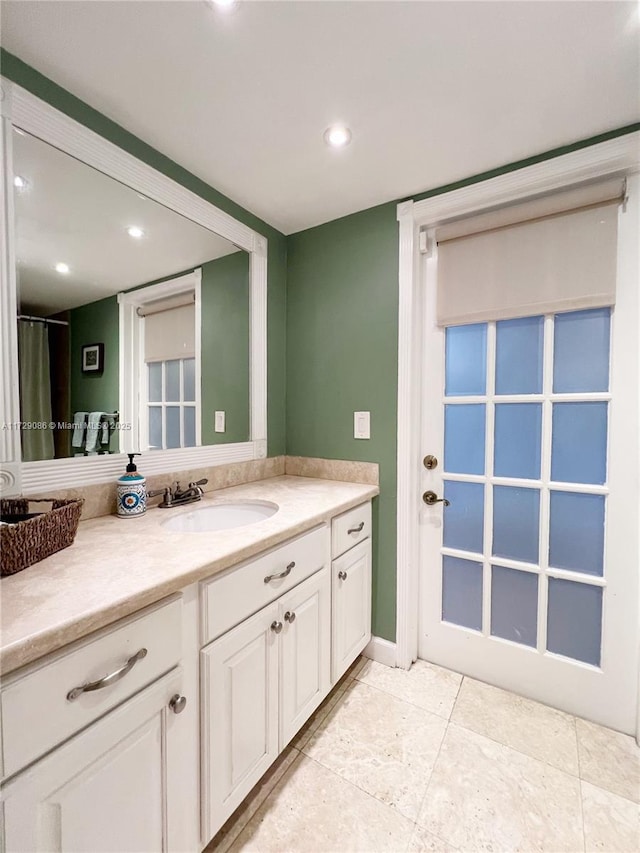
(618, 156)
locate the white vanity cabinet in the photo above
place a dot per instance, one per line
(102, 781)
(351, 587)
(114, 787)
(148, 734)
(261, 680)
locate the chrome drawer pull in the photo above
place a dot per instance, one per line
(108, 679)
(342, 576)
(284, 574)
(290, 616)
(276, 626)
(356, 529)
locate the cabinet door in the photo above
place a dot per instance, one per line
(110, 788)
(305, 643)
(239, 683)
(351, 584)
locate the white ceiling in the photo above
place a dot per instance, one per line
(433, 91)
(74, 214)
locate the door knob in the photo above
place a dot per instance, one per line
(178, 703)
(342, 576)
(290, 616)
(430, 462)
(276, 626)
(430, 498)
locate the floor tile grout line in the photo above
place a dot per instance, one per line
(515, 749)
(280, 782)
(406, 701)
(426, 790)
(362, 790)
(584, 832)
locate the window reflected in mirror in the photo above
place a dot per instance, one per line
(83, 238)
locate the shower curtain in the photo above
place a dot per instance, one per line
(35, 390)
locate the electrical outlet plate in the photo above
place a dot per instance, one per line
(220, 422)
(362, 424)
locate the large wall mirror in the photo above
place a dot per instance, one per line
(139, 312)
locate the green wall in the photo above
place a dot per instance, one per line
(19, 72)
(342, 345)
(94, 323)
(225, 348)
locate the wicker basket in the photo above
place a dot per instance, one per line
(27, 542)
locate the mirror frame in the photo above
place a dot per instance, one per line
(27, 112)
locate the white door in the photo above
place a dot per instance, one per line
(351, 606)
(528, 575)
(114, 787)
(305, 646)
(239, 687)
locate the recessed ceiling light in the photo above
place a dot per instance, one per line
(337, 136)
(62, 268)
(224, 4)
(135, 231)
(20, 183)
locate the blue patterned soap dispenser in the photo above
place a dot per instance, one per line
(132, 491)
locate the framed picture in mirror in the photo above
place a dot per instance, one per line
(93, 358)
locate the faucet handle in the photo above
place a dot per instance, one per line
(202, 482)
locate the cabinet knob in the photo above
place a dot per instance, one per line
(178, 703)
(342, 576)
(290, 616)
(276, 626)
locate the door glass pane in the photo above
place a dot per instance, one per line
(574, 620)
(462, 592)
(172, 381)
(516, 519)
(581, 351)
(173, 426)
(189, 414)
(464, 518)
(519, 350)
(576, 532)
(464, 427)
(155, 427)
(514, 605)
(189, 379)
(518, 440)
(466, 360)
(579, 443)
(155, 382)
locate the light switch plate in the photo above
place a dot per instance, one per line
(220, 422)
(362, 424)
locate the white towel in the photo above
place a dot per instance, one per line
(93, 427)
(78, 428)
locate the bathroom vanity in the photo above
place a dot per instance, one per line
(211, 651)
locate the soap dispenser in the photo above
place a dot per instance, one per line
(132, 492)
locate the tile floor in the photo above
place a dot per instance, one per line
(428, 760)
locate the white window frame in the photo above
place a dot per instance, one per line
(417, 222)
(133, 376)
(19, 108)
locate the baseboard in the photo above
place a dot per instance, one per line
(381, 650)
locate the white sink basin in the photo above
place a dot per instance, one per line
(220, 517)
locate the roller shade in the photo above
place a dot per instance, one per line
(170, 333)
(535, 258)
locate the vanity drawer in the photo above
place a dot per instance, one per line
(350, 528)
(228, 599)
(37, 714)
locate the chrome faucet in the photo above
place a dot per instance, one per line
(175, 496)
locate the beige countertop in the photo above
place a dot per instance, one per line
(117, 566)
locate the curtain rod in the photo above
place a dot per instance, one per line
(42, 320)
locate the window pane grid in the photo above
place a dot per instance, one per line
(545, 486)
(168, 402)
